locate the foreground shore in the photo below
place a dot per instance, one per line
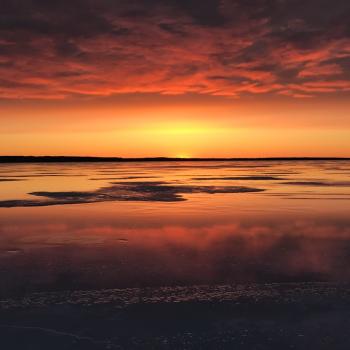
(255, 316)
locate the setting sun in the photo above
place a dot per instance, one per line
(182, 156)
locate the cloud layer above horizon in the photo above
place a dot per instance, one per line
(60, 49)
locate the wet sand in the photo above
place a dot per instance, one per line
(254, 316)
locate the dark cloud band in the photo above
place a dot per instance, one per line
(58, 49)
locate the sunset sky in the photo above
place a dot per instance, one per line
(177, 78)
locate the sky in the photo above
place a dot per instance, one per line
(176, 78)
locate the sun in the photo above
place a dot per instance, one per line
(183, 156)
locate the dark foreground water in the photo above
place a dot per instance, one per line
(250, 255)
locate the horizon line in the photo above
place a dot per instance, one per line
(48, 159)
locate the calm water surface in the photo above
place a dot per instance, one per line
(118, 225)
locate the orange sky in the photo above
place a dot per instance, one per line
(178, 126)
(209, 78)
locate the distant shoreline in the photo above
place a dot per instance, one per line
(81, 159)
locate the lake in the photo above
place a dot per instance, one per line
(170, 226)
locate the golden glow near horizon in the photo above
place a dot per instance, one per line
(239, 142)
(223, 129)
